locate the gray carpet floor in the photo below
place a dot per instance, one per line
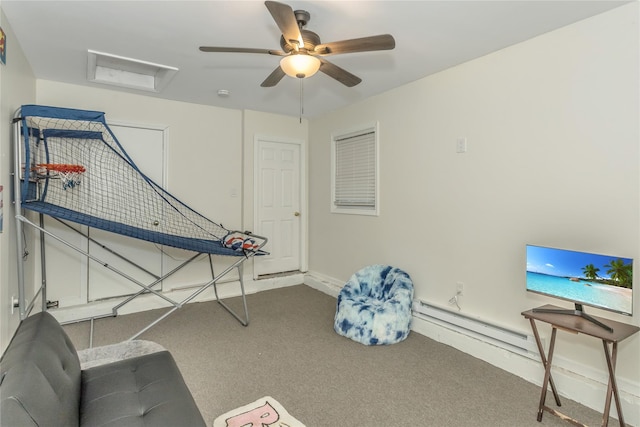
(290, 352)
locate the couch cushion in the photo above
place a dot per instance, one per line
(40, 376)
(142, 391)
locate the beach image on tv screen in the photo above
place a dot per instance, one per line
(597, 280)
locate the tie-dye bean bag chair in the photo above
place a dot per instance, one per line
(374, 306)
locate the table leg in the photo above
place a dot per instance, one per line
(547, 376)
(612, 388)
(547, 365)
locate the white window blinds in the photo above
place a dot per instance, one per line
(355, 175)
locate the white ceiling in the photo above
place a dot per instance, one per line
(430, 36)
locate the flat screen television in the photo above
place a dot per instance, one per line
(595, 280)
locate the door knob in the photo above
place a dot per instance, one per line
(296, 213)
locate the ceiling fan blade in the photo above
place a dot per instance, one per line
(365, 44)
(286, 21)
(274, 78)
(242, 50)
(340, 74)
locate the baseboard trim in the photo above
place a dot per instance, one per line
(586, 385)
(322, 283)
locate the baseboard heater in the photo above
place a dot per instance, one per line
(508, 339)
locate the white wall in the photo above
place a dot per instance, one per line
(553, 159)
(17, 86)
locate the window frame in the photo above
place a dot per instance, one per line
(336, 137)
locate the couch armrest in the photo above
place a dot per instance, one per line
(40, 376)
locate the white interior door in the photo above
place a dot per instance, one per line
(278, 213)
(146, 147)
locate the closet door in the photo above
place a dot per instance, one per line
(146, 147)
(66, 269)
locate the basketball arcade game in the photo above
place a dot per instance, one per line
(69, 165)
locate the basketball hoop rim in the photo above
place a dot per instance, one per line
(61, 167)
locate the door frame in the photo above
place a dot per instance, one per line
(304, 227)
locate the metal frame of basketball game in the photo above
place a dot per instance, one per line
(25, 309)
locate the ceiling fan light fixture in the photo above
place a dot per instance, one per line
(300, 65)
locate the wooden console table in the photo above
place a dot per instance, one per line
(578, 325)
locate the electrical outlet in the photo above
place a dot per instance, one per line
(15, 303)
(459, 288)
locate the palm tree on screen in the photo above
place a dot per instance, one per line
(619, 272)
(590, 271)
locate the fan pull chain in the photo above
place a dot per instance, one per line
(301, 100)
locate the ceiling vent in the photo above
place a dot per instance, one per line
(126, 72)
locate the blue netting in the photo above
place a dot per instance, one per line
(112, 193)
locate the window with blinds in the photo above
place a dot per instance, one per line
(355, 172)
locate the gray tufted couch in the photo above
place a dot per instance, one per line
(42, 384)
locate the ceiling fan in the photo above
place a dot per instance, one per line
(303, 53)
